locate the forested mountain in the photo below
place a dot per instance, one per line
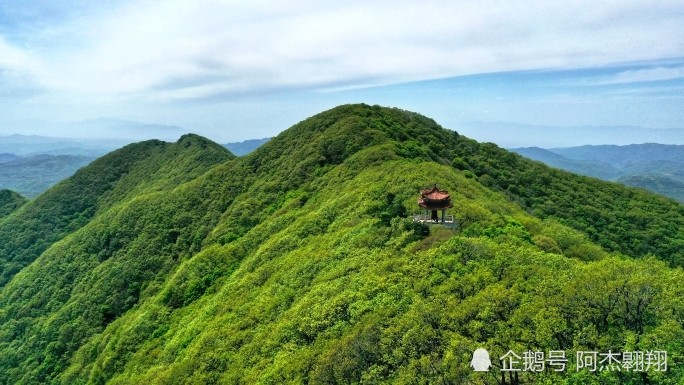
(10, 201)
(655, 167)
(135, 169)
(299, 263)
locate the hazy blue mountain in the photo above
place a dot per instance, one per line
(625, 156)
(245, 147)
(672, 170)
(582, 167)
(655, 167)
(660, 183)
(30, 164)
(94, 137)
(7, 157)
(31, 175)
(527, 135)
(23, 145)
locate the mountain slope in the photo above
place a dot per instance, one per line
(620, 219)
(151, 165)
(298, 264)
(10, 201)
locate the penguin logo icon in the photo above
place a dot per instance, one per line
(481, 361)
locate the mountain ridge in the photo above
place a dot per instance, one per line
(69, 204)
(300, 263)
(10, 201)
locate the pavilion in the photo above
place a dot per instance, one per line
(433, 201)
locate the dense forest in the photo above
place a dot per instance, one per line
(10, 201)
(179, 263)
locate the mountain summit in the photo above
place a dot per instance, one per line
(177, 263)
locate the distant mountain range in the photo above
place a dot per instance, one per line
(31, 175)
(245, 147)
(27, 145)
(30, 164)
(526, 135)
(118, 130)
(655, 167)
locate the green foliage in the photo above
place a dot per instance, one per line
(546, 244)
(9, 202)
(629, 221)
(460, 163)
(133, 170)
(299, 263)
(388, 209)
(192, 280)
(98, 272)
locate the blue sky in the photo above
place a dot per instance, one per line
(234, 70)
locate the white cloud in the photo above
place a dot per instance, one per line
(17, 61)
(645, 75)
(19, 70)
(10, 57)
(205, 48)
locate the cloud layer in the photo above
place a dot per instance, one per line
(179, 50)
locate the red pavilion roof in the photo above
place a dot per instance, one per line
(435, 194)
(434, 199)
